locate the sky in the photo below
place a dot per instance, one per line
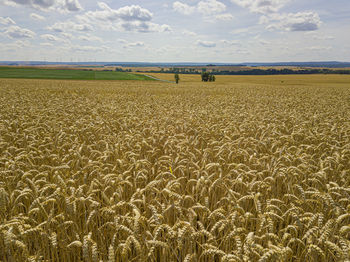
(228, 31)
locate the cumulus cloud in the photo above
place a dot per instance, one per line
(72, 5)
(301, 21)
(134, 44)
(37, 17)
(122, 41)
(134, 12)
(127, 18)
(205, 43)
(83, 27)
(264, 42)
(319, 48)
(205, 7)
(230, 42)
(224, 17)
(18, 32)
(61, 27)
(126, 13)
(52, 38)
(143, 27)
(44, 4)
(8, 3)
(66, 35)
(46, 44)
(210, 7)
(7, 21)
(64, 5)
(261, 6)
(19, 44)
(80, 48)
(240, 31)
(183, 8)
(90, 38)
(317, 36)
(188, 33)
(242, 52)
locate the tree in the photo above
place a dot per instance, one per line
(205, 76)
(177, 78)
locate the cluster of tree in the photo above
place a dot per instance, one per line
(174, 70)
(118, 69)
(206, 77)
(179, 70)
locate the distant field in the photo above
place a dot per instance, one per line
(266, 79)
(39, 73)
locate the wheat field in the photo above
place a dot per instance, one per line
(243, 169)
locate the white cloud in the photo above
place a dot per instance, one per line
(122, 41)
(135, 44)
(126, 13)
(261, 6)
(143, 27)
(83, 27)
(7, 21)
(230, 42)
(209, 7)
(18, 32)
(44, 4)
(134, 12)
(224, 17)
(317, 36)
(205, 7)
(90, 38)
(70, 26)
(319, 48)
(64, 5)
(159, 28)
(128, 18)
(240, 31)
(52, 38)
(80, 48)
(66, 35)
(301, 21)
(59, 27)
(264, 42)
(183, 8)
(8, 3)
(242, 52)
(188, 33)
(205, 43)
(72, 5)
(37, 17)
(19, 44)
(46, 44)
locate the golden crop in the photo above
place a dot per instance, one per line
(148, 171)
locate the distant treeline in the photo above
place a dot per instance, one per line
(284, 71)
(271, 71)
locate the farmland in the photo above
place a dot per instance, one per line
(243, 169)
(72, 74)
